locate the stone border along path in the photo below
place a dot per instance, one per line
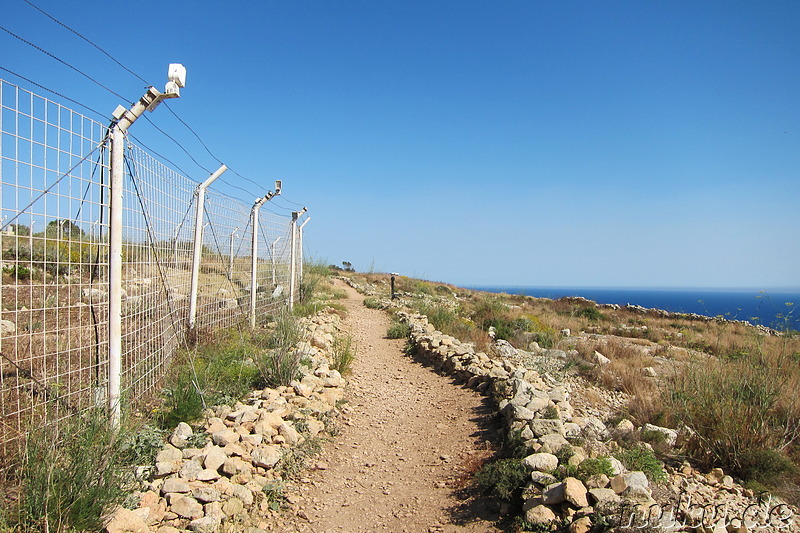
(409, 443)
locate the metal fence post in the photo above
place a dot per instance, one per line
(197, 252)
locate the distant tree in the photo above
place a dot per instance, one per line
(348, 266)
(64, 229)
(20, 229)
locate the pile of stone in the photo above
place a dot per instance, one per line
(221, 479)
(538, 407)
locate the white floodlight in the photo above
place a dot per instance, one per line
(177, 79)
(177, 74)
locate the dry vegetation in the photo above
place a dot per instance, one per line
(734, 385)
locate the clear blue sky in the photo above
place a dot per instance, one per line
(619, 143)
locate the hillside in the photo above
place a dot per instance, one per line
(712, 400)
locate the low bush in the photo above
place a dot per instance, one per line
(504, 479)
(372, 303)
(592, 314)
(343, 353)
(398, 330)
(183, 401)
(70, 476)
(642, 458)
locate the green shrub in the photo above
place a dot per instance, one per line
(643, 459)
(594, 466)
(295, 459)
(591, 313)
(141, 447)
(550, 412)
(504, 478)
(20, 273)
(373, 303)
(278, 367)
(442, 317)
(274, 495)
(546, 338)
(70, 477)
(398, 330)
(183, 401)
(343, 353)
(765, 466)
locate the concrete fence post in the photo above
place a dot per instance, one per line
(254, 249)
(300, 247)
(197, 251)
(124, 119)
(293, 257)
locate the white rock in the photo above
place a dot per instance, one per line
(541, 462)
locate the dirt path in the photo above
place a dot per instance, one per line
(409, 441)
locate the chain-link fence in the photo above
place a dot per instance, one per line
(54, 302)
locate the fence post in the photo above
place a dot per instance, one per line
(124, 119)
(272, 259)
(197, 252)
(230, 268)
(293, 256)
(254, 249)
(115, 272)
(300, 246)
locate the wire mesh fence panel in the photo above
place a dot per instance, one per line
(223, 297)
(53, 170)
(54, 246)
(273, 263)
(158, 223)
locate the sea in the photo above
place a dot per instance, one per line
(768, 308)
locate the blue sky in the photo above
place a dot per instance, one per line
(626, 144)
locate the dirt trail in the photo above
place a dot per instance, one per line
(409, 439)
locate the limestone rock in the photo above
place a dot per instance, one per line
(206, 494)
(599, 358)
(169, 454)
(180, 437)
(542, 478)
(541, 462)
(540, 514)
(670, 435)
(554, 441)
(543, 426)
(175, 484)
(187, 507)
(225, 437)
(215, 458)
(266, 456)
(581, 525)
(553, 494)
(126, 521)
(603, 496)
(575, 492)
(623, 482)
(206, 524)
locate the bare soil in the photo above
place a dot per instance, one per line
(410, 441)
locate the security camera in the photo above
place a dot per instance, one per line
(278, 185)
